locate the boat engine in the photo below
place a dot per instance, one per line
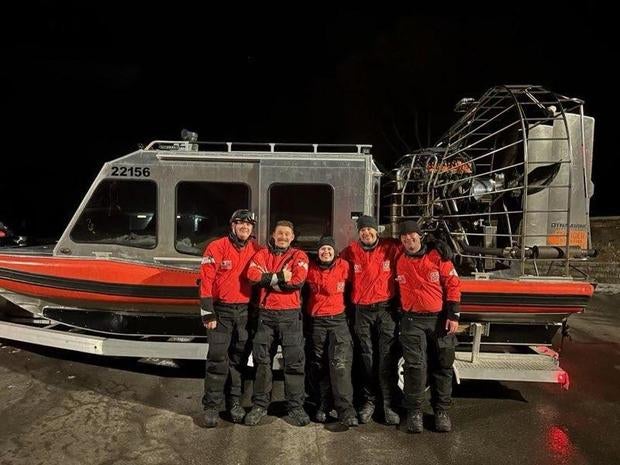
(508, 186)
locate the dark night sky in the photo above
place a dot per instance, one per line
(85, 83)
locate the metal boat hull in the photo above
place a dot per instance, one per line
(122, 297)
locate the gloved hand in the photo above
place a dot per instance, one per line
(445, 251)
(207, 313)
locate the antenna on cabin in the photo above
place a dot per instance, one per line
(188, 135)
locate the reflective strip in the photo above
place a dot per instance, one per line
(255, 265)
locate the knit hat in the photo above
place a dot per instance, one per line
(366, 221)
(326, 240)
(409, 226)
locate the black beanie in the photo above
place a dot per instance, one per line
(326, 240)
(409, 226)
(366, 221)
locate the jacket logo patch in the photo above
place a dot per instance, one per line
(207, 260)
(357, 268)
(226, 264)
(386, 265)
(340, 286)
(401, 279)
(433, 276)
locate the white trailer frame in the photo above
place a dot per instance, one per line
(540, 366)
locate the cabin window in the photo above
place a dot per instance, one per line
(121, 212)
(203, 212)
(309, 206)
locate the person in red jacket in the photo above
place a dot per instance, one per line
(332, 346)
(279, 271)
(224, 296)
(429, 299)
(372, 293)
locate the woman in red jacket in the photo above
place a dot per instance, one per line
(331, 346)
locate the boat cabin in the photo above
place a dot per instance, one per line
(165, 202)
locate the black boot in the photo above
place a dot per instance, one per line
(255, 415)
(211, 417)
(298, 417)
(237, 412)
(443, 424)
(348, 418)
(414, 421)
(366, 412)
(391, 417)
(322, 413)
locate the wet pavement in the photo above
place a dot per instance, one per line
(61, 407)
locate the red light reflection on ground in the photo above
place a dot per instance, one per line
(559, 443)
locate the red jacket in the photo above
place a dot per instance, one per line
(327, 285)
(265, 271)
(223, 269)
(425, 282)
(372, 277)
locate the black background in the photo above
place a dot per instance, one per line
(83, 83)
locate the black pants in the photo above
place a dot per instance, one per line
(331, 361)
(229, 348)
(428, 351)
(282, 327)
(376, 332)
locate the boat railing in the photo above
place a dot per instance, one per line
(263, 147)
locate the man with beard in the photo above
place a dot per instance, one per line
(279, 270)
